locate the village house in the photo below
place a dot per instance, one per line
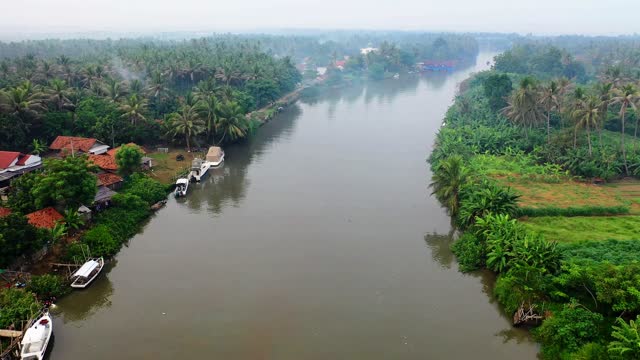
(112, 181)
(71, 144)
(13, 164)
(46, 218)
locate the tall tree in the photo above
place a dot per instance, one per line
(549, 99)
(134, 108)
(524, 105)
(627, 97)
(186, 123)
(587, 115)
(448, 178)
(208, 110)
(232, 122)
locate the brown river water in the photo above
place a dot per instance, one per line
(317, 239)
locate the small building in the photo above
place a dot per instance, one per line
(45, 218)
(103, 198)
(340, 64)
(365, 51)
(72, 144)
(112, 181)
(14, 164)
(104, 162)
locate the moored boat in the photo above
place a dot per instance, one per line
(87, 273)
(199, 167)
(182, 185)
(215, 156)
(36, 338)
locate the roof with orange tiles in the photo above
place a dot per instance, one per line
(72, 142)
(104, 162)
(108, 179)
(7, 157)
(113, 151)
(44, 218)
(4, 211)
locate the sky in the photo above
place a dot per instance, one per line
(544, 17)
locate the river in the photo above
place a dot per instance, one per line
(317, 239)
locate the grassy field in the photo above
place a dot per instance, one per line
(166, 167)
(570, 229)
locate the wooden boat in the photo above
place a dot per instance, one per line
(87, 273)
(182, 185)
(36, 338)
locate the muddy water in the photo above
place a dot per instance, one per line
(318, 239)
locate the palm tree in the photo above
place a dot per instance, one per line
(114, 89)
(58, 93)
(72, 220)
(587, 115)
(134, 109)
(232, 122)
(38, 147)
(604, 92)
(58, 231)
(449, 176)
(549, 99)
(523, 105)
(627, 97)
(21, 100)
(187, 123)
(208, 109)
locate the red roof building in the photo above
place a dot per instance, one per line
(8, 158)
(109, 180)
(44, 218)
(104, 162)
(70, 144)
(4, 211)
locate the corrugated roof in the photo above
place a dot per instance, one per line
(44, 218)
(104, 193)
(104, 162)
(7, 157)
(108, 179)
(66, 142)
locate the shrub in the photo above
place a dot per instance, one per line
(101, 242)
(573, 211)
(16, 305)
(47, 286)
(591, 351)
(568, 330)
(480, 199)
(148, 189)
(469, 251)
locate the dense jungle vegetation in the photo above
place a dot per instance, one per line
(515, 165)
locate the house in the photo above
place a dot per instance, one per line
(365, 51)
(340, 64)
(73, 144)
(112, 181)
(103, 197)
(45, 218)
(104, 162)
(13, 164)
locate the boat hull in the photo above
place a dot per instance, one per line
(77, 285)
(40, 354)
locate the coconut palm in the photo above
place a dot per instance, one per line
(449, 176)
(627, 97)
(21, 100)
(186, 123)
(134, 109)
(232, 122)
(114, 89)
(604, 92)
(58, 94)
(524, 105)
(208, 109)
(587, 115)
(549, 99)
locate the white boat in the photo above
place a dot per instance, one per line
(36, 338)
(182, 185)
(87, 273)
(199, 167)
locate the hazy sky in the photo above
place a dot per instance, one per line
(539, 17)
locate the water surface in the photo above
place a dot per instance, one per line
(318, 239)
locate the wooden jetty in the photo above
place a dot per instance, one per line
(12, 351)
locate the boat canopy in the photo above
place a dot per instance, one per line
(182, 181)
(86, 269)
(215, 154)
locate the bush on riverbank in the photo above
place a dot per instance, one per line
(16, 305)
(47, 286)
(573, 211)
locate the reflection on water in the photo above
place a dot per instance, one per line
(440, 248)
(82, 304)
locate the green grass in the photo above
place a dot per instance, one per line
(570, 229)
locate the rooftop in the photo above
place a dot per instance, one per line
(44, 218)
(104, 162)
(108, 179)
(72, 143)
(7, 158)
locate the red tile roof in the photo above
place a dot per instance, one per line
(113, 151)
(45, 218)
(4, 211)
(104, 162)
(7, 157)
(23, 159)
(66, 142)
(108, 179)
(341, 63)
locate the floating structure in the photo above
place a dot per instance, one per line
(182, 185)
(199, 167)
(36, 338)
(87, 273)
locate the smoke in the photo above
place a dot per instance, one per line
(123, 71)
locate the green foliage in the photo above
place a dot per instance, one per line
(591, 351)
(573, 211)
(16, 305)
(65, 182)
(21, 198)
(17, 238)
(541, 60)
(128, 158)
(449, 177)
(497, 87)
(567, 331)
(486, 197)
(590, 253)
(47, 286)
(376, 71)
(101, 242)
(627, 339)
(469, 251)
(577, 228)
(146, 188)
